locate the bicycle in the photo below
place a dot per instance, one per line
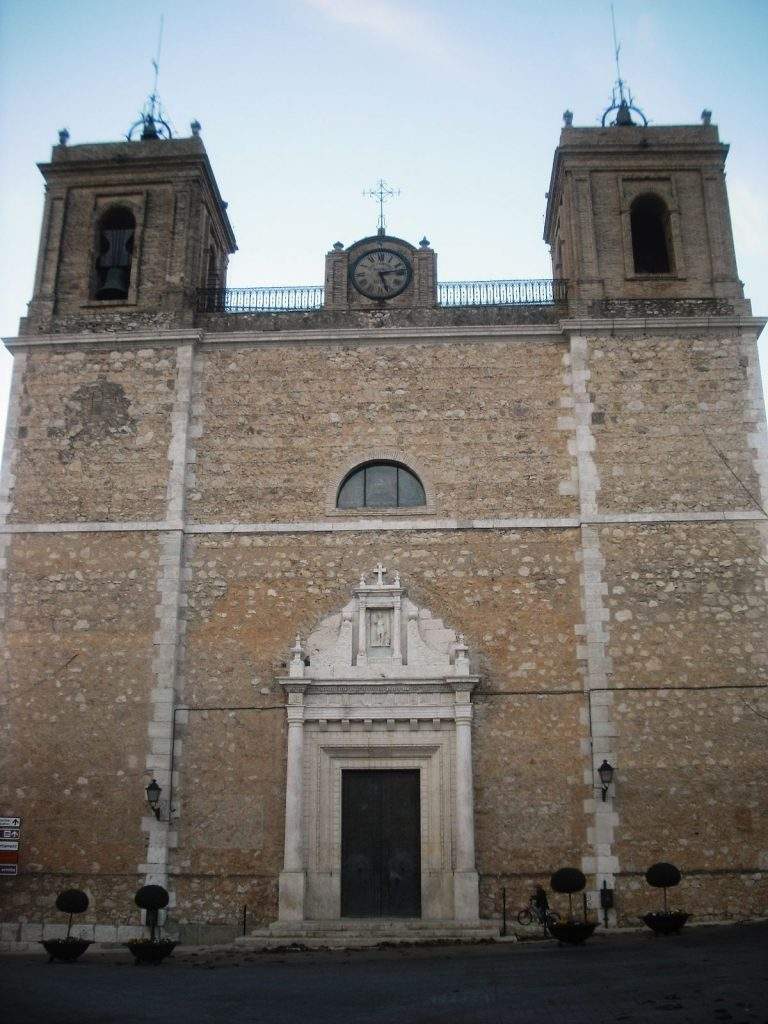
(533, 912)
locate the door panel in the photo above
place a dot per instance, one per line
(380, 844)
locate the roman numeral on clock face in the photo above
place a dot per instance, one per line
(380, 274)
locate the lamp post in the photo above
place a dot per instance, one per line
(605, 771)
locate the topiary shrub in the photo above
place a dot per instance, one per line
(151, 898)
(72, 901)
(663, 876)
(568, 880)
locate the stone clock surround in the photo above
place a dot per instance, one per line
(405, 704)
(420, 292)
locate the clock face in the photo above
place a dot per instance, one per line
(380, 274)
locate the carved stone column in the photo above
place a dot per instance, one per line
(293, 875)
(465, 879)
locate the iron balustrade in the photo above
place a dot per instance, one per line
(286, 299)
(279, 299)
(544, 292)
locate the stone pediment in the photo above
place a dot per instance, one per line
(380, 634)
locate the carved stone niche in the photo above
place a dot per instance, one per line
(382, 635)
(388, 686)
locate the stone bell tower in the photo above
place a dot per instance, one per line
(130, 230)
(637, 218)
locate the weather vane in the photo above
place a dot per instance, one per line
(153, 124)
(382, 193)
(625, 104)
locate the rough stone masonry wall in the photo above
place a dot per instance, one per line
(281, 422)
(688, 611)
(662, 409)
(93, 434)
(513, 593)
(79, 620)
(669, 587)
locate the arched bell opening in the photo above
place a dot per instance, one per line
(114, 254)
(651, 235)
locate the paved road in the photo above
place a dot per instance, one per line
(705, 976)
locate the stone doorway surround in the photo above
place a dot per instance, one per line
(387, 686)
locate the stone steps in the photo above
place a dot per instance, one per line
(347, 932)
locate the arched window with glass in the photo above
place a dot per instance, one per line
(381, 484)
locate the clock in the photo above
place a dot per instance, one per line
(380, 274)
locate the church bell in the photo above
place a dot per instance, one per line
(115, 284)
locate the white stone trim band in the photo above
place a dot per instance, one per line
(349, 525)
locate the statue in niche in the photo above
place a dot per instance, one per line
(380, 627)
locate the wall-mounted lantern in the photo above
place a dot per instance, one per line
(153, 797)
(605, 771)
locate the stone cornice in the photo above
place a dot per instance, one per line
(540, 333)
(400, 524)
(159, 336)
(661, 324)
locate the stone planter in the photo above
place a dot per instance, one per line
(150, 951)
(66, 950)
(666, 923)
(573, 932)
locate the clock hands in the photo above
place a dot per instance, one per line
(380, 274)
(383, 274)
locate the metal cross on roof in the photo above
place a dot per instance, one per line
(382, 193)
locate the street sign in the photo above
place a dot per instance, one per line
(10, 836)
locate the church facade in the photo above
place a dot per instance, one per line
(372, 579)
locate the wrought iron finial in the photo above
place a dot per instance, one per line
(153, 124)
(621, 102)
(424, 243)
(382, 193)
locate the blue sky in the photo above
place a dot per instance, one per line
(305, 103)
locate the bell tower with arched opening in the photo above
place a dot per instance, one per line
(638, 221)
(130, 231)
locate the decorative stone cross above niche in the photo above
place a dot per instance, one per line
(381, 634)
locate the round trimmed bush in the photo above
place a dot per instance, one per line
(568, 880)
(663, 875)
(72, 901)
(151, 897)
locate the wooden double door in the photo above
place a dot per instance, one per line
(380, 844)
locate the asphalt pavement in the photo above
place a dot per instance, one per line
(706, 975)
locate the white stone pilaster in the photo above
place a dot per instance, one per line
(466, 883)
(292, 885)
(168, 636)
(7, 477)
(593, 634)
